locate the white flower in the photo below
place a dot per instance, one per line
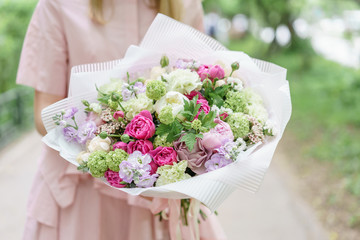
(183, 81)
(82, 157)
(174, 99)
(156, 72)
(236, 83)
(97, 143)
(270, 126)
(95, 107)
(219, 83)
(135, 105)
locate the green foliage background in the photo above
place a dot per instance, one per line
(14, 19)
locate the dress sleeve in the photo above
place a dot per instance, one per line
(44, 57)
(193, 14)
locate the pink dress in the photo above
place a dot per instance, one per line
(65, 204)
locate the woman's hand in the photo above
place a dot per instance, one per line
(42, 100)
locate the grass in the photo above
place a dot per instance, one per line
(326, 107)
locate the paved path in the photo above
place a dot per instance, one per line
(275, 213)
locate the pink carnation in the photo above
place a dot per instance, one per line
(144, 146)
(114, 179)
(163, 155)
(120, 145)
(204, 107)
(141, 126)
(217, 136)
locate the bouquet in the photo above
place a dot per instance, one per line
(193, 121)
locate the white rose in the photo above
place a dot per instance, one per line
(175, 99)
(82, 157)
(183, 81)
(95, 107)
(97, 143)
(156, 72)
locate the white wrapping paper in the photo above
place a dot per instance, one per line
(176, 40)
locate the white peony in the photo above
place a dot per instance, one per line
(99, 144)
(183, 81)
(135, 105)
(219, 83)
(174, 99)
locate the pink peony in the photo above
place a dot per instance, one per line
(120, 145)
(191, 95)
(163, 155)
(196, 158)
(204, 107)
(211, 72)
(141, 126)
(144, 146)
(114, 179)
(224, 115)
(218, 135)
(216, 72)
(118, 114)
(203, 71)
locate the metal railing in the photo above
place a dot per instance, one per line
(16, 113)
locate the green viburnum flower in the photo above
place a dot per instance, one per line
(172, 173)
(196, 124)
(97, 163)
(161, 141)
(166, 115)
(239, 124)
(113, 85)
(114, 158)
(155, 89)
(135, 105)
(235, 101)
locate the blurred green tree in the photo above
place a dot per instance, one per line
(15, 17)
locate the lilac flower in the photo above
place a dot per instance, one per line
(186, 63)
(140, 162)
(216, 161)
(126, 171)
(86, 131)
(70, 134)
(70, 113)
(146, 180)
(130, 91)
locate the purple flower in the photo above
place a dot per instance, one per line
(216, 161)
(129, 91)
(70, 134)
(70, 113)
(146, 180)
(86, 131)
(126, 171)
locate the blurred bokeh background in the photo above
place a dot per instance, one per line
(317, 41)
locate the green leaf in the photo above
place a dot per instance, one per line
(83, 167)
(173, 130)
(190, 140)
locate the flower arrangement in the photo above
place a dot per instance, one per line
(174, 124)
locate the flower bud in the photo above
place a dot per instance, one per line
(164, 62)
(235, 66)
(103, 135)
(86, 103)
(125, 138)
(118, 114)
(115, 96)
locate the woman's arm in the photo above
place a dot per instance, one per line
(42, 100)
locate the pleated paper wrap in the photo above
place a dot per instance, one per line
(176, 40)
